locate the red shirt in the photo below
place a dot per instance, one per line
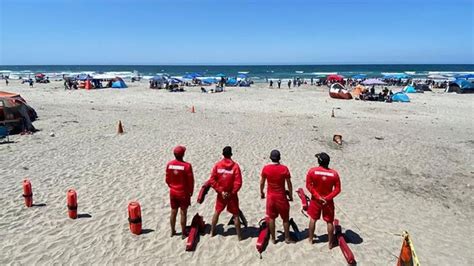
(276, 175)
(226, 176)
(180, 179)
(323, 183)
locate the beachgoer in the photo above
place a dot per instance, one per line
(271, 83)
(226, 179)
(277, 202)
(324, 184)
(30, 81)
(6, 81)
(279, 83)
(289, 84)
(312, 81)
(180, 180)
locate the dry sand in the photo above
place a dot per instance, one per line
(417, 178)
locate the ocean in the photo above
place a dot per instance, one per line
(255, 72)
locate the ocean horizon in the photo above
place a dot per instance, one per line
(256, 72)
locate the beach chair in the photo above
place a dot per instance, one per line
(4, 134)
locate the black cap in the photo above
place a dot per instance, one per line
(227, 151)
(323, 159)
(275, 155)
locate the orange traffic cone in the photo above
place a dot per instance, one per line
(120, 128)
(332, 113)
(192, 110)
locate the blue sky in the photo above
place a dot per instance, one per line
(235, 32)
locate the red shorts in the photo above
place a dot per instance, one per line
(278, 205)
(180, 202)
(231, 203)
(315, 209)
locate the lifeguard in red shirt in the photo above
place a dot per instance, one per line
(226, 179)
(277, 175)
(180, 180)
(324, 184)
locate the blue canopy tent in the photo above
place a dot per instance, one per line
(400, 97)
(359, 76)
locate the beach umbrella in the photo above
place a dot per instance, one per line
(39, 75)
(192, 76)
(437, 77)
(467, 76)
(373, 82)
(242, 76)
(337, 78)
(220, 75)
(359, 76)
(158, 78)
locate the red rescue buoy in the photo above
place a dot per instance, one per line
(263, 236)
(197, 226)
(304, 199)
(135, 217)
(27, 193)
(346, 250)
(72, 203)
(203, 192)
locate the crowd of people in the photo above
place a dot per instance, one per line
(322, 182)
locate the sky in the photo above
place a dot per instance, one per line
(178, 32)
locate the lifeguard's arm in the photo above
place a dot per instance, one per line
(336, 190)
(190, 181)
(237, 181)
(290, 186)
(213, 180)
(262, 184)
(167, 176)
(309, 186)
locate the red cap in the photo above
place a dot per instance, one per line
(179, 150)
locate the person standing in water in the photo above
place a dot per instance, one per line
(279, 83)
(180, 180)
(277, 202)
(324, 184)
(289, 84)
(226, 180)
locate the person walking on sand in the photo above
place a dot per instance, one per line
(324, 184)
(289, 84)
(271, 83)
(6, 81)
(277, 203)
(180, 180)
(279, 83)
(226, 180)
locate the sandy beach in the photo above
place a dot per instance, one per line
(403, 166)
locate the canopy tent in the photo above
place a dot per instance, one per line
(158, 78)
(337, 78)
(400, 97)
(174, 80)
(373, 82)
(359, 76)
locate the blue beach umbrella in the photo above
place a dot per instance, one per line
(359, 76)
